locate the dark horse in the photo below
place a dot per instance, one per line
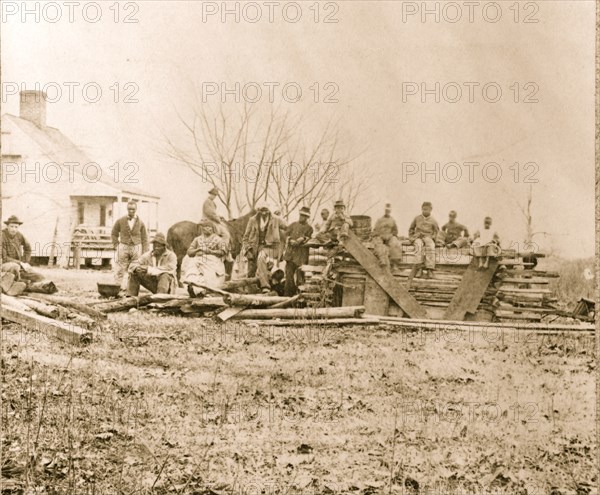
(181, 235)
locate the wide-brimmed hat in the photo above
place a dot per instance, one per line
(426, 203)
(339, 202)
(160, 238)
(214, 191)
(13, 219)
(262, 205)
(305, 211)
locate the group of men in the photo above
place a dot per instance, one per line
(425, 234)
(267, 241)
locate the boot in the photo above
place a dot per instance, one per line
(419, 273)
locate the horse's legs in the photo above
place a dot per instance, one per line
(228, 270)
(179, 282)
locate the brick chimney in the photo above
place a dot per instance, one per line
(33, 107)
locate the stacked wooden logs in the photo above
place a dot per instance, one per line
(516, 293)
(52, 316)
(315, 288)
(523, 295)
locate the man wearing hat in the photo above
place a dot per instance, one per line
(155, 270)
(296, 251)
(386, 227)
(16, 252)
(209, 213)
(422, 232)
(337, 225)
(453, 234)
(261, 243)
(130, 240)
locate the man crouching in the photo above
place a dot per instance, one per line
(155, 270)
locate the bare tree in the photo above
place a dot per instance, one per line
(252, 156)
(525, 208)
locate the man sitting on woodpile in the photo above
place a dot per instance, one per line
(422, 232)
(387, 229)
(321, 224)
(261, 244)
(486, 244)
(203, 264)
(155, 270)
(337, 225)
(16, 253)
(296, 252)
(453, 234)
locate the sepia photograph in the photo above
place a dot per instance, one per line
(299, 247)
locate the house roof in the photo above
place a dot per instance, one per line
(60, 149)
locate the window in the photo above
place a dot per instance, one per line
(80, 213)
(102, 215)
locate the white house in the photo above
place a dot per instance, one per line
(67, 203)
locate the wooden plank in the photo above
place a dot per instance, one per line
(384, 278)
(483, 326)
(308, 313)
(470, 291)
(228, 313)
(376, 299)
(54, 328)
(66, 301)
(331, 321)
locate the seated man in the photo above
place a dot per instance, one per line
(337, 225)
(387, 229)
(486, 244)
(453, 234)
(155, 270)
(203, 264)
(16, 253)
(422, 232)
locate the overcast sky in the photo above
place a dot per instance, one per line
(371, 54)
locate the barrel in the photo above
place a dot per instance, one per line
(361, 226)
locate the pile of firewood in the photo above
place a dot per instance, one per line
(54, 316)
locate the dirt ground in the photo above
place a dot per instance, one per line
(180, 405)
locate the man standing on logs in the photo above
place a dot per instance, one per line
(262, 243)
(486, 244)
(296, 252)
(453, 234)
(16, 253)
(422, 233)
(130, 240)
(156, 270)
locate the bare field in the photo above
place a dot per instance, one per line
(172, 405)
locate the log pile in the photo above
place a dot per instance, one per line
(517, 293)
(316, 289)
(524, 295)
(51, 320)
